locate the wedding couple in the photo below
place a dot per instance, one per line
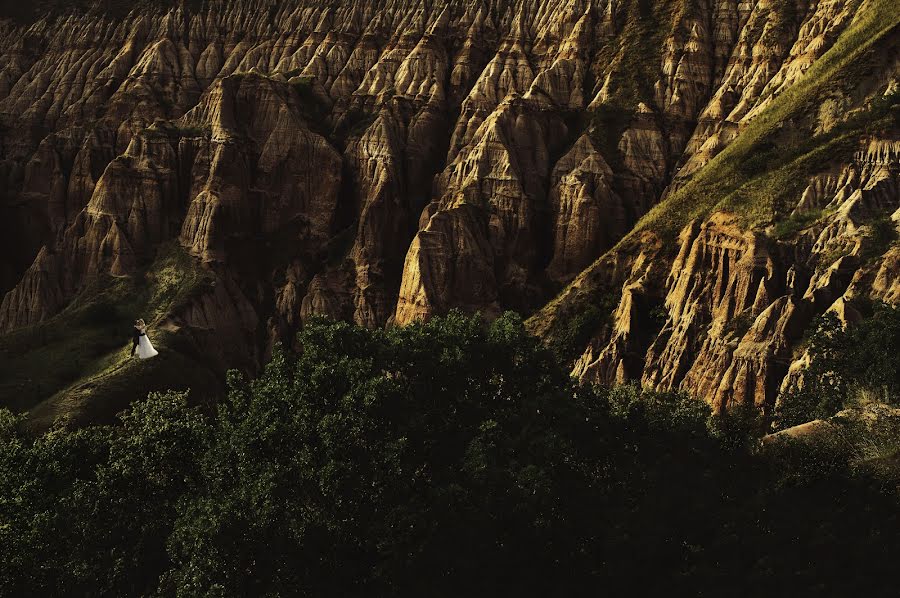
(140, 342)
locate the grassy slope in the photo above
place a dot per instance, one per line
(53, 368)
(727, 182)
(753, 175)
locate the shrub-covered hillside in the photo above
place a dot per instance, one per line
(445, 458)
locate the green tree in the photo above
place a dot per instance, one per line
(846, 362)
(447, 457)
(383, 460)
(88, 511)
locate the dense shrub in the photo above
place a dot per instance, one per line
(88, 512)
(861, 359)
(445, 458)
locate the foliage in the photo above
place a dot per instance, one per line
(444, 457)
(880, 234)
(579, 329)
(788, 227)
(658, 412)
(88, 511)
(846, 363)
(413, 447)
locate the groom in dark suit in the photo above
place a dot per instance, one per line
(135, 337)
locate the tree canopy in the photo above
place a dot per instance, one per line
(846, 364)
(444, 458)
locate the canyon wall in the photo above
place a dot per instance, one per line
(384, 161)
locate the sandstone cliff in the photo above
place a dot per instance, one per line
(390, 160)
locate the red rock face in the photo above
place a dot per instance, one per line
(736, 302)
(380, 162)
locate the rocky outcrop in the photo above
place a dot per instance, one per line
(728, 320)
(257, 168)
(221, 325)
(588, 215)
(720, 276)
(616, 355)
(738, 302)
(776, 44)
(387, 161)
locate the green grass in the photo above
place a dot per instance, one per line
(754, 172)
(790, 226)
(40, 360)
(120, 379)
(89, 342)
(758, 173)
(774, 191)
(635, 54)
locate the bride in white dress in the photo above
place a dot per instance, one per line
(145, 348)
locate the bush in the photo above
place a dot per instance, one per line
(845, 363)
(385, 460)
(445, 457)
(89, 511)
(580, 328)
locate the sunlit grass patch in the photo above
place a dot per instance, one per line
(91, 338)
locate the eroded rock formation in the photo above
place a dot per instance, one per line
(738, 302)
(391, 160)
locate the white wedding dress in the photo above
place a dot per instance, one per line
(145, 348)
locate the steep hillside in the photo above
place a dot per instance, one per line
(795, 218)
(686, 182)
